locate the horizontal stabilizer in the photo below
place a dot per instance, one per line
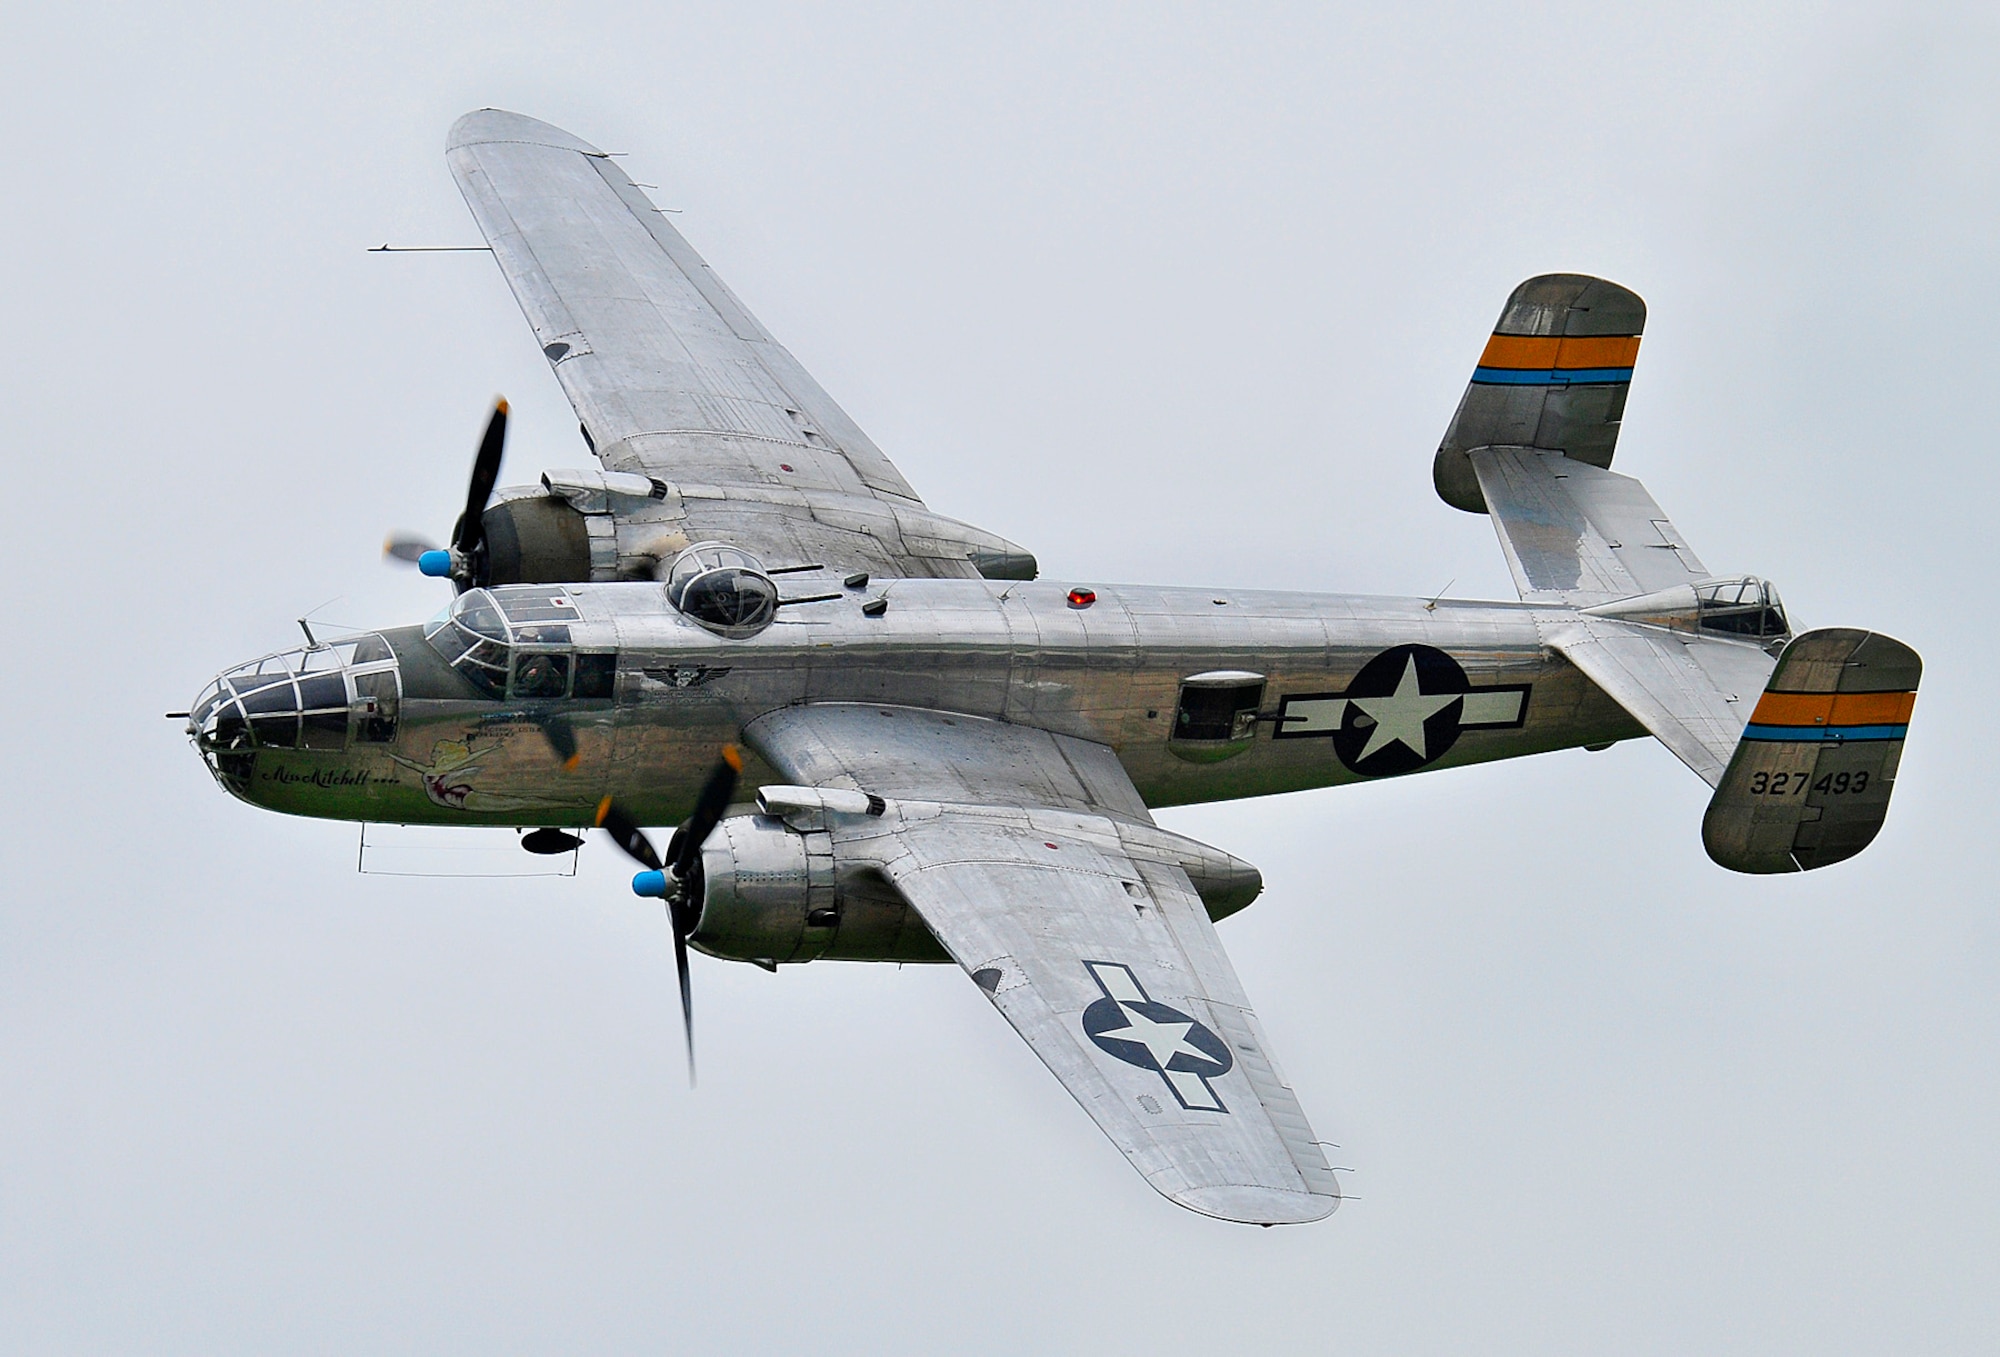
(1553, 377)
(1810, 780)
(1576, 534)
(1691, 691)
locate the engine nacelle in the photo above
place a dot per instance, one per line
(565, 532)
(774, 893)
(536, 538)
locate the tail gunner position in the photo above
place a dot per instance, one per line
(945, 758)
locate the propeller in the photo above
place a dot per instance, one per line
(464, 561)
(408, 546)
(562, 740)
(677, 878)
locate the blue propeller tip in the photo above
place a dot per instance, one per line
(650, 883)
(436, 564)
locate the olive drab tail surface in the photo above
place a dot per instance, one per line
(1810, 780)
(1553, 376)
(1800, 736)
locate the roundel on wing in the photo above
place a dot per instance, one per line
(1403, 711)
(1126, 1028)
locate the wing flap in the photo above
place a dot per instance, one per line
(910, 752)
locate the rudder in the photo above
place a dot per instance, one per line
(1809, 783)
(1553, 377)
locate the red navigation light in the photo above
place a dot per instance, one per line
(1081, 597)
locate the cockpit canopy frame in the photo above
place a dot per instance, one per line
(1746, 606)
(519, 642)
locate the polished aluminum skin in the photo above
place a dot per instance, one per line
(949, 759)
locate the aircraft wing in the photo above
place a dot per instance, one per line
(1074, 915)
(674, 379)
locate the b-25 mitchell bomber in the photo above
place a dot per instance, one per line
(955, 760)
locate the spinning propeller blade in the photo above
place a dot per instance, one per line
(708, 810)
(680, 883)
(612, 819)
(465, 560)
(408, 546)
(470, 533)
(555, 726)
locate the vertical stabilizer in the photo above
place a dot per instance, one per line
(1810, 781)
(1553, 377)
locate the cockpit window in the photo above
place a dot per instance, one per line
(514, 642)
(723, 588)
(471, 636)
(541, 676)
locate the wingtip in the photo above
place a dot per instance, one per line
(1256, 1205)
(485, 125)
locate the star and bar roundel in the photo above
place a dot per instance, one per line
(1130, 1025)
(1404, 709)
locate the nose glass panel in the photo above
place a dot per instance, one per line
(325, 698)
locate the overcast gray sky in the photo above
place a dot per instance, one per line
(1165, 294)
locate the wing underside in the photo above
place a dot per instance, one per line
(1072, 914)
(675, 380)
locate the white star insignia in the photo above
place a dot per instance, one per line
(1162, 1040)
(1399, 718)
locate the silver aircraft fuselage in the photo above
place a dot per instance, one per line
(439, 750)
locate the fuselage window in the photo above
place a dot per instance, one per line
(1216, 714)
(321, 691)
(376, 696)
(541, 675)
(595, 675)
(325, 730)
(278, 697)
(276, 732)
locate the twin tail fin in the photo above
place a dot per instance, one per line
(1805, 780)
